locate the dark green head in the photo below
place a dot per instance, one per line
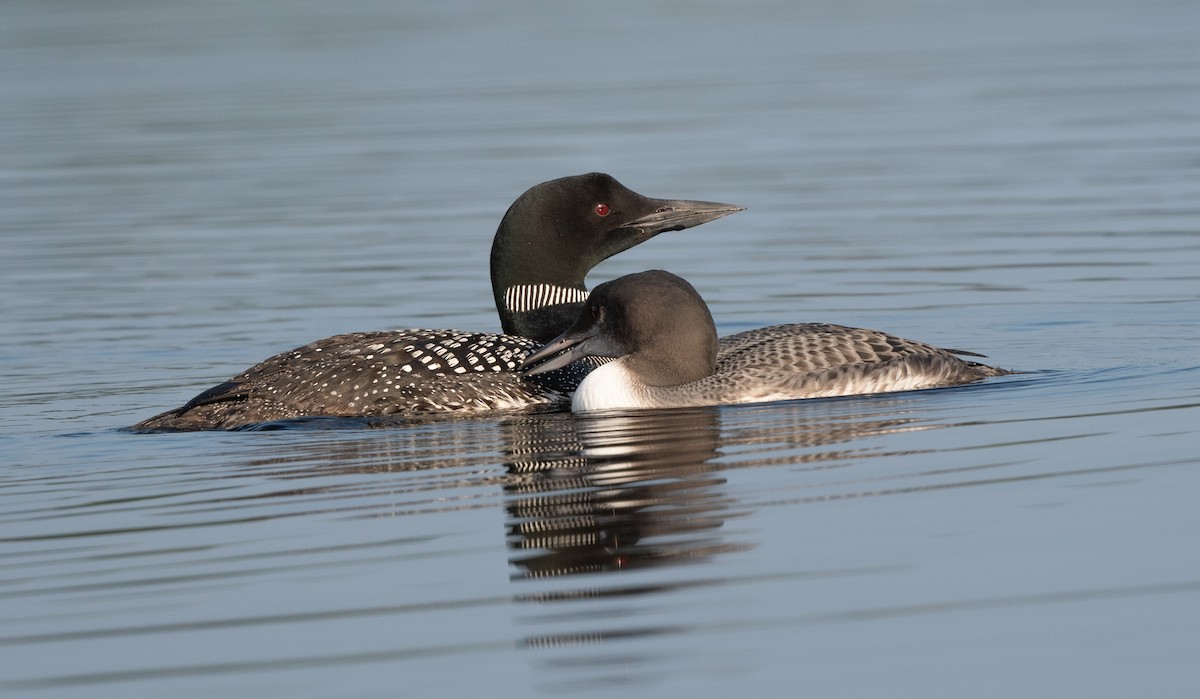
(555, 233)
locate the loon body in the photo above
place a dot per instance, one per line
(667, 354)
(547, 242)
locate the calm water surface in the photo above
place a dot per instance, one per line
(188, 188)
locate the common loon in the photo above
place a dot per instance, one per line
(665, 343)
(547, 242)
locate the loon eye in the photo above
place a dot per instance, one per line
(601, 209)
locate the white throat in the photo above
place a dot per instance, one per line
(609, 387)
(528, 297)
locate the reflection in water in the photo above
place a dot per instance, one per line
(636, 492)
(583, 494)
(799, 432)
(616, 492)
(613, 493)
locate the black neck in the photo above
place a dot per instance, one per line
(534, 300)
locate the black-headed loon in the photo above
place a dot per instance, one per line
(547, 242)
(664, 341)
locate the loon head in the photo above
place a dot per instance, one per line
(654, 321)
(557, 231)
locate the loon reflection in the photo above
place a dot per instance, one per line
(616, 492)
(584, 494)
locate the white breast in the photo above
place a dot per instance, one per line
(608, 387)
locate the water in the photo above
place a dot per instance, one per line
(189, 188)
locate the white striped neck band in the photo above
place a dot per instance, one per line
(528, 297)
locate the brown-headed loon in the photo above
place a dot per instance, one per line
(547, 242)
(666, 354)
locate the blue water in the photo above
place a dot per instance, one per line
(186, 189)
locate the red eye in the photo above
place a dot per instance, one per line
(602, 209)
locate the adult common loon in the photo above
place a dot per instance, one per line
(547, 242)
(665, 344)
